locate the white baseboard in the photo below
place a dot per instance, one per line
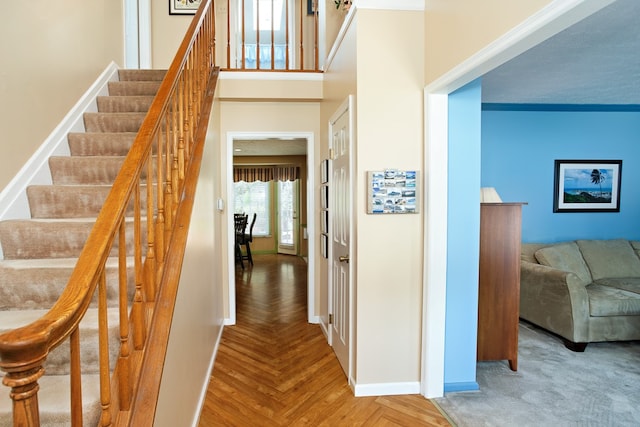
(387, 389)
(205, 386)
(13, 198)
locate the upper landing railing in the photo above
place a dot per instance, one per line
(268, 35)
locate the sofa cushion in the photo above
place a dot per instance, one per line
(609, 301)
(565, 257)
(610, 258)
(629, 284)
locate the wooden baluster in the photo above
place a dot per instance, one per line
(256, 12)
(177, 142)
(150, 263)
(286, 35)
(161, 237)
(301, 35)
(273, 39)
(76, 378)
(244, 53)
(124, 373)
(137, 312)
(316, 35)
(229, 37)
(103, 345)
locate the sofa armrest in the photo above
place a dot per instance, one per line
(555, 300)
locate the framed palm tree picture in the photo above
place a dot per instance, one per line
(587, 186)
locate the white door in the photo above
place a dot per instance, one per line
(340, 213)
(288, 217)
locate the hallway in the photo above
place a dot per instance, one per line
(275, 369)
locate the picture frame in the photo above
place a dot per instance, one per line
(587, 186)
(183, 7)
(324, 197)
(393, 191)
(324, 245)
(311, 6)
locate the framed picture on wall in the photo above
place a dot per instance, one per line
(183, 7)
(587, 186)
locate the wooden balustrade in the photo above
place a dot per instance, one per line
(279, 41)
(164, 158)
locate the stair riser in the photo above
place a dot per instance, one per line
(65, 201)
(37, 240)
(127, 88)
(141, 75)
(87, 171)
(40, 288)
(113, 122)
(100, 144)
(124, 104)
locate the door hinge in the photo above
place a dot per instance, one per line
(331, 319)
(330, 153)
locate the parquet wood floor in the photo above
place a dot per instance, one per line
(275, 369)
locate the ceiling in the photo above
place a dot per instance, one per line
(270, 147)
(596, 61)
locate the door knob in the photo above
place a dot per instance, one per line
(344, 259)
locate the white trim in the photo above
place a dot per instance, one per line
(270, 76)
(387, 389)
(550, 20)
(13, 198)
(435, 253)
(417, 5)
(144, 33)
(311, 205)
(205, 386)
(340, 37)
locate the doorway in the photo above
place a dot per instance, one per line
(305, 222)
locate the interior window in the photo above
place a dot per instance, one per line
(250, 198)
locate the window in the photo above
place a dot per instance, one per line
(250, 198)
(266, 17)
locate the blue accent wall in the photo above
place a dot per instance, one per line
(518, 153)
(463, 238)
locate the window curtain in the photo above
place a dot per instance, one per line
(266, 173)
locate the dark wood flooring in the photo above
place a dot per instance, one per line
(275, 369)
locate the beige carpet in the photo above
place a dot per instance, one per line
(553, 386)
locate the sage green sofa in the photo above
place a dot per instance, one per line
(584, 290)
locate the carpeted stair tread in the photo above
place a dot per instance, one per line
(134, 88)
(54, 402)
(141, 75)
(52, 238)
(113, 122)
(100, 143)
(78, 170)
(122, 104)
(37, 283)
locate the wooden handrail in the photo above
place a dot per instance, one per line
(161, 158)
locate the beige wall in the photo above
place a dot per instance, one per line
(167, 32)
(51, 53)
(455, 30)
(389, 247)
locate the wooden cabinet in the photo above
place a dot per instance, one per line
(499, 282)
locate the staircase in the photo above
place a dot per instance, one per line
(40, 253)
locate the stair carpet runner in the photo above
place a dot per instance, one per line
(40, 253)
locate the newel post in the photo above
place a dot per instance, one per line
(23, 380)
